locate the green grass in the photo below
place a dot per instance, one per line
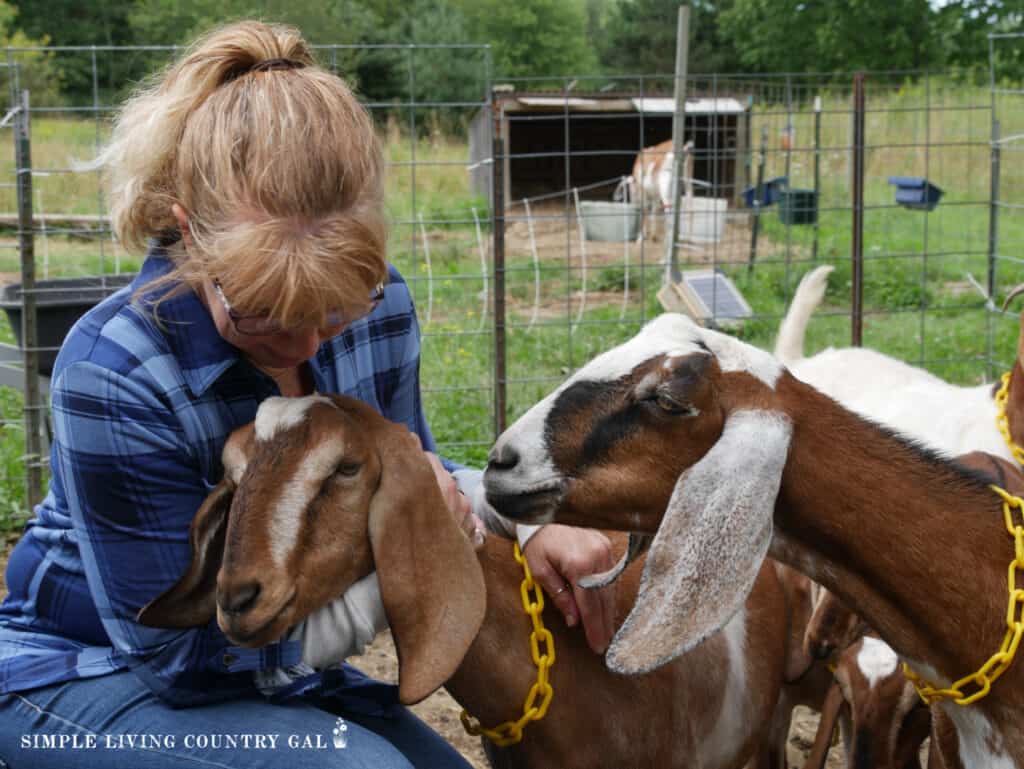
(920, 309)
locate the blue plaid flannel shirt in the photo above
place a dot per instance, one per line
(141, 414)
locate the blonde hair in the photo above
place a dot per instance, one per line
(277, 167)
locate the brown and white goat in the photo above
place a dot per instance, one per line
(883, 719)
(715, 449)
(651, 182)
(709, 709)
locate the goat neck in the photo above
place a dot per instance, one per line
(894, 531)
(710, 708)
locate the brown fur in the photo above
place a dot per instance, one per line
(374, 504)
(596, 718)
(669, 711)
(914, 543)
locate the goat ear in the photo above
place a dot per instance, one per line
(710, 545)
(192, 600)
(430, 579)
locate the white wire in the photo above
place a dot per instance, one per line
(583, 260)
(536, 266)
(483, 269)
(42, 229)
(430, 271)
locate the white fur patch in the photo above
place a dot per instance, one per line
(234, 460)
(976, 736)
(283, 413)
(876, 660)
(296, 494)
(732, 724)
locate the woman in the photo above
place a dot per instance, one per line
(254, 179)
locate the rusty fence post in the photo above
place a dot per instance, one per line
(857, 250)
(498, 212)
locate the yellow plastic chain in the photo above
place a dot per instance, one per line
(1001, 660)
(1003, 422)
(511, 732)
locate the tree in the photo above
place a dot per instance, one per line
(73, 23)
(825, 36)
(36, 69)
(532, 38)
(963, 29)
(641, 38)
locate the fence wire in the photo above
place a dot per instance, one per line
(528, 250)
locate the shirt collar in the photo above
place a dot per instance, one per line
(202, 353)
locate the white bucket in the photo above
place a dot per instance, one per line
(702, 220)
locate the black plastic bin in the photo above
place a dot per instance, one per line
(798, 206)
(59, 303)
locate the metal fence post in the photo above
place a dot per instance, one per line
(672, 273)
(29, 323)
(993, 210)
(500, 343)
(857, 298)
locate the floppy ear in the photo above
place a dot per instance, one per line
(710, 544)
(430, 579)
(192, 601)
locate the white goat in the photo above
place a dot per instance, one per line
(946, 417)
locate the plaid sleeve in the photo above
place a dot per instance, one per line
(133, 485)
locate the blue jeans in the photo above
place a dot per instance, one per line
(115, 722)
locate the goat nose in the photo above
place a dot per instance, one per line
(503, 457)
(241, 598)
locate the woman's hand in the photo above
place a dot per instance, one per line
(458, 503)
(559, 556)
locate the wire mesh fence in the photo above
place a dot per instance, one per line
(528, 249)
(421, 97)
(782, 181)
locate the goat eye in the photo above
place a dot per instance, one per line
(348, 469)
(670, 405)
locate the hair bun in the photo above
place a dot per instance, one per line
(269, 64)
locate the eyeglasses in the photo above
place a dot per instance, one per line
(263, 325)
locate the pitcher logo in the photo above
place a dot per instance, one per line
(340, 733)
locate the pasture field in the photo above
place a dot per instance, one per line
(562, 310)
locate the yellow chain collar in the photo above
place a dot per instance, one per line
(1003, 422)
(1001, 660)
(511, 732)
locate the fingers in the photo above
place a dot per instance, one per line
(457, 502)
(597, 609)
(560, 592)
(559, 556)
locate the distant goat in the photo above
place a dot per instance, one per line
(883, 720)
(373, 495)
(651, 181)
(715, 448)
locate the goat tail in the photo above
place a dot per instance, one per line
(789, 347)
